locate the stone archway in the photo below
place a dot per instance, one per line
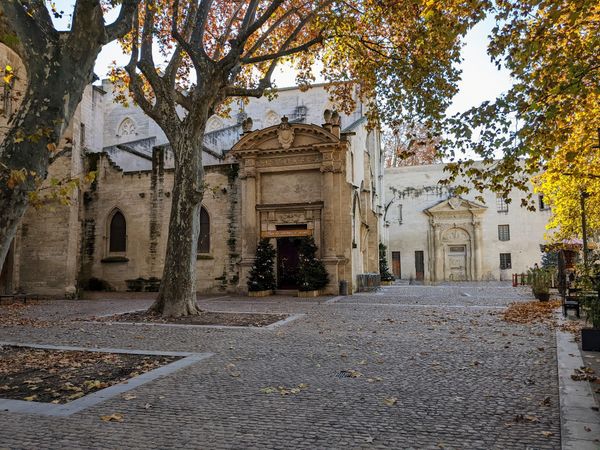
(454, 240)
(457, 247)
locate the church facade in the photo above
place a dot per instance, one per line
(299, 171)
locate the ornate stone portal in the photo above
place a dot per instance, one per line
(293, 183)
(454, 240)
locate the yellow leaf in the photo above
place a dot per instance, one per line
(390, 401)
(112, 418)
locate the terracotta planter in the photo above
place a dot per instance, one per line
(259, 293)
(386, 283)
(590, 339)
(308, 294)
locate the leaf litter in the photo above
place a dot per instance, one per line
(59, 376)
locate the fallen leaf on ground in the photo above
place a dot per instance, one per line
(112, 418)
(390, 401)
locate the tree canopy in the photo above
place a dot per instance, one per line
(545, 125)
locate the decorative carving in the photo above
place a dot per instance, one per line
(288, 161)
(291, 218)
(247, 125)
(285, 133)
(455, 202)
(455, 235)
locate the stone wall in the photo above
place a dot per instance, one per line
(144, 198)
(415, 189)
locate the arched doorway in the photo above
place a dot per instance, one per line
(6, 273)
(456, 249)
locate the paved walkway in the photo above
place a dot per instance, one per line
(440, 369)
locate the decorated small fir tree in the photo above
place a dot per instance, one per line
(312, 274)
(384, 270)
(262, 276)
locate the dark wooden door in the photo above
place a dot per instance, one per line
(419, 265)
(6, 273)
(287, 262)
(396, 267)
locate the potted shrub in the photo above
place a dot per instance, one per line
(540, 284)
(386, 276)
(312, 275)
(261, 280)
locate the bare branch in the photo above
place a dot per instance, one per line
(88, 21)
(122, 25)
(261, 40)
(135, 81)
(245, 33)
(226, 33)
(283, 52)
(250, 14)
(197, 40)
(182, 40)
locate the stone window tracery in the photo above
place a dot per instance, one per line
(127, 128)
(213, 124)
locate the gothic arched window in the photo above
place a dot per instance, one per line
(204, 239)
(127, 128)
(117, 242)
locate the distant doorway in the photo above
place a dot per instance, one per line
(287, 262)
(457, 262)
(6, 273)
(419, 265)
(396, 266)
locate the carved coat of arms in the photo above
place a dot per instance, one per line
(285, 133)
(455, 202)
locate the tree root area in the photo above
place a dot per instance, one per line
(202, 318)
(57, 376)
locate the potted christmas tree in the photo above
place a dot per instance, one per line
(312, 275)
(261, 280)
(384, 271)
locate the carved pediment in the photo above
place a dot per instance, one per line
(455, 205)
(284, 137)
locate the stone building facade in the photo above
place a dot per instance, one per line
(324, 180)
(434, 235)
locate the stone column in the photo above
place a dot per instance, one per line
(249, 229)
(477, 244)
(438, 247)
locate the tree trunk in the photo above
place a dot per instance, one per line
(177, 296)
(55, 86)
(25, 147)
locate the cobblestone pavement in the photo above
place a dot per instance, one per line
(446, 373)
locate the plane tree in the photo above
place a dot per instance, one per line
(59, 65)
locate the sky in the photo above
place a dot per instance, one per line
(481, 80)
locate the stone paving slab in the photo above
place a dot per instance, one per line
(460, 377)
